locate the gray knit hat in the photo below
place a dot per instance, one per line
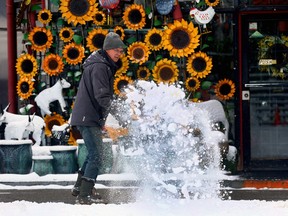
(113, 41)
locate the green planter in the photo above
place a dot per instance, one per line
(42, 165)
(15, 156)
(64, 159)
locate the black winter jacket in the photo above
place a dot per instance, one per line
(95, 91)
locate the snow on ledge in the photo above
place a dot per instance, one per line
(62, 148)
(15, 142)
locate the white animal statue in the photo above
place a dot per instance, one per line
(54, 93)
(19, 129)
(216, 112)
(202, 17)
(38, 122)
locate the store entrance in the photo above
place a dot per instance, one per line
(265, 91)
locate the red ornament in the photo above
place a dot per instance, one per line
(109, 4)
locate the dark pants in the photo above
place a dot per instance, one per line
(92, 137)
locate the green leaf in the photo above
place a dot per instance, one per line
(131, 40)
(129, 73)
(77, 74)
(205, 85)
(60, 22)
(148, 10)
(159, 57)
(70, 74)
(25, 36)
(77, 39)
(55, 2)
(204, 46)
(151, 65)
(36, 7)
(157, 23)
(197, 95)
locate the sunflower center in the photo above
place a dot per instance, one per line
(192, 83)
(66, 34)
(199, 64)
(79, 7)
(143, 73)
(212, 1)
(166, 73)
(122, 84)
(53, 64)
(119, 32)
(24, 87)
(155, 39)
(138, 53)
(225, 89)
(40, 38)
(135, 16)
(44, 16)
(99, 17)
(73, 53)
(180, 39)
(27, 66)
(98, 40)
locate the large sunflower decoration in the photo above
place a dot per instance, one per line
(53, 64)
(123, 65)
(120, 83)
(45, 16)
(78, 11)
(138, 52)
(73, 53)
(96, 38)
(120, 31)
(199, 65)
(25, 87)
(181, 38)
(225, 89)
(52, 120)
(192, 84)
(154, 39)
(134, 17)
(26, 66)
(276, 49)
(99, 19)
(165, 71)
(41, 38)
(212, 3)
(143, 73)
(66, 34)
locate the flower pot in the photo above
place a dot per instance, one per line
(15, 156)
(42, 165)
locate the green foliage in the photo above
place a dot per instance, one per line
(36, 7)
(77, 39)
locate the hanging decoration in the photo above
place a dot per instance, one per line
(26, 66)
(25, 87)
(53, 64)
(78, 11)
(225, 89)
(138, 52)
(202, 17)
(96, 38)
(109, 4)
(192, 84)
(99, 19)
(66, 34)
(164, 7)
(41, 38)
(120, 83)
(199, 65)
(143, 73)
(44, 16)
(165, 71)
(154, 39)
(181, 38)
(134, 17)
(73, 53)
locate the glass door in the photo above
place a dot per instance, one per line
(265, 91)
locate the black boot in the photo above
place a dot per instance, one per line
(76, 188)
(85, 196)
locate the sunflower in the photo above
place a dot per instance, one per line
(181, 38)
(99, 18)
(134, 17)
(50, 121)
(26, 65)
(120, 31)
(225, 89)
(25, 87)
(96, 38)
(41, 38)
(199, 65)
(45, 16)
(66, 34)
(154, 39)
(212, 3)
(53, 64)
(123, 65)
(165, 71)
(192, 84)
(120, 83)
(73, 53)
(78, 11)
(138, 52)
(143, 73)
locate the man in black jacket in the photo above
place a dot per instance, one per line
(91, 108)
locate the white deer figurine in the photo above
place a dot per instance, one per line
(54, 93)
(38, 122)
(19, 129)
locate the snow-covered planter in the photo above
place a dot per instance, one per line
(15, 156)
(42, 160)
